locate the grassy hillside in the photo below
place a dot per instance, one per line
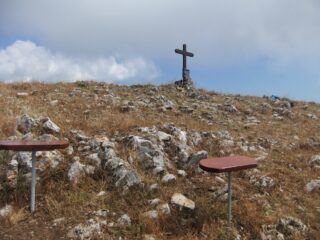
(269, 201)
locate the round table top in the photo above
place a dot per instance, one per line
(227, 164)
(24, 145)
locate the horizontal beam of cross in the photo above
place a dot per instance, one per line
(185, 53)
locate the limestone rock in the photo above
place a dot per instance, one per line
(54, 103)
(229, 108)
(153, 187)
(50, 126)
(122, 173)
(163, 136)
(47, 137)
(196, 157)
(164, 209)
(77, 170)
(182, 202)
(22, 94)
(168, 178)
(25, 124)
(24, 161)
(152, 214)
(148, 237)
(6, 211)
(91, 229)
(290, 225)
(94, 159)
(315, 161)
(49, 159)
(12, 172)
(124, 221)
(270, 233)
(313, 186)
(264, 182)
(149, 154)
(154, 202)
(182, 173)
(219, 192)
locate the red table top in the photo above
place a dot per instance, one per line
(227, 164)
(20, 145)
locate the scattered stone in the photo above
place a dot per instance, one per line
(164, 136)
(89, 230)
(101, 193)
(58, 221)
(196, 138)
(286, 228)
(94, 159)
(49, 159)
(69, 150)
(154, 202)
(312, 116)
(196, 157)
(47, 137)
(152, 214)
(28, 137)
(219, 179)
(270, 233)
(101, 213)
(313, 186)
(315, 161)
(149, 237)
(164, 209)
(79, 135)
(154, 187)
(6, 211)
(122, 173)
(22, 94)
(289, 225)
(158, 170)
(50, 126)
(182, 173)
(24, 161)
(264, 182)
(25, 124)
(54, 103)
(124, 221)
(77, 170)
(168, 178)
(149, 154)
(182, 202)
(220, 192)
(229, 108)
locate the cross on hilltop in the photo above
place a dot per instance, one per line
(186, 80)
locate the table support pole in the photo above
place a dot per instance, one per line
(229, 199)
(33, 183)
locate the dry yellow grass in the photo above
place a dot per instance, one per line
(18, 216)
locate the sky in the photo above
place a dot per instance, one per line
(261, 47)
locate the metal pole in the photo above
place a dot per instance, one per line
(229, 199)
(184, 64)
(33, 183)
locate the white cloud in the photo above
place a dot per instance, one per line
(25, 61)
(217, 31)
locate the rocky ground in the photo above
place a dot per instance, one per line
(131, 170)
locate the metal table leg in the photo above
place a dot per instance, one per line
(33, 183)
(229, 199)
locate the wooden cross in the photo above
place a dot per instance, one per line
(184, 54)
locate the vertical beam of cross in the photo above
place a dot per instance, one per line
(184, 58)
(184, 54)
